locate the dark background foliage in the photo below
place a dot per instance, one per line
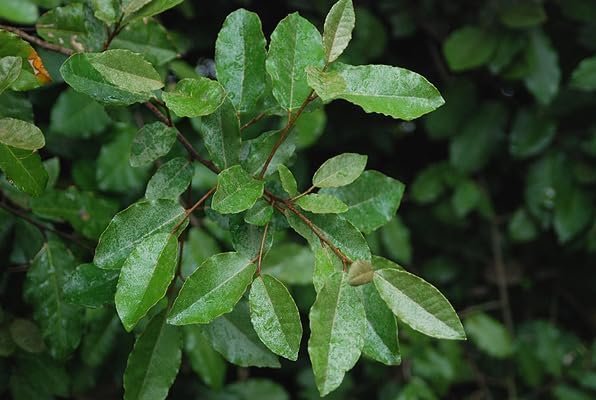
(506, 230)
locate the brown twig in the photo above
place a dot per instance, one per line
(188, 212)
(38, 41)
(307, 191)
(117, 29)
(253, 121)
(261, 248)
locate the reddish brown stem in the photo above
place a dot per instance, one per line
(37, 41)
(260, 258)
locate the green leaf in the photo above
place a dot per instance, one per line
(295, 44)
(20, 134)
(291, 263)
(60, 322)
(151, 142)
(340, 170)
(77, 115)
(531, 133)
(469, 47)
(15, 105)
(220, 132)
(154, 361)
(106, 10)
(44, 375)
(255, 152)
(170, 180)
(489, 335)
(573, 212)
(339, 23)
(114, 77)
(418, 304)
(212, 290)
(195, 97)
(87, 213)
(26, 335)
(275, 317)
(544, 75)
(101, 338)
(322, 204)
(381, 340)
(233, 336)
(10, 68)
(288, 182)
(33, 72)
(247, 238)
(326, 263)
(583, 76)
(236, 191)
(521, 228)
(338, 325)
(522, 15)
(372, 200)
(149, 38)
(90, 286)
(145, 277)
(73, 26)
(153, 7)
(392, 91)
(260, 214)
(204, 360)
(130, 6)
(240, 59)
(24, 169)
(132, 226)
(466, 197)
(199, 247)
(19, 11)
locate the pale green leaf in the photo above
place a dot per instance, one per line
(322, 204)
(469, 47)
(24, 169)
(170, 180)
(583, 76)
(392, 91)
(338, 326)
(288, 182)
(131, 226)
(151, 142)
(372, 200)
(418, 304)
(339, 23)
(275, 317)
(295, 44)
(240, 59)
(145, 277)
(207, 363)
(10, 68)
(60, 322)
(340, 170)
(90, 286)
(154, 361)
(195, 97)
(212, 290)
(21, 134)
(236, 191)
(326, 263)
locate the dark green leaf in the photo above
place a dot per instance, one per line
(19, 11)
(90, 286)
(151, 142)
(199, 247)
(469, 47)
(24, 169)
(236, 191)
(573, 212)
(26, 335)
(100, 340)
(544, 75)
(170, 180)
(195, 97)
(10, 68)
(531, 133)
(204, 360)
(77, 115)
(153, 7)
(255, 152)
(149, 38)
(395, 237)
(522, 15)
(584, 75)
(489, 335)
(291, 263)
(260, 214)
(521, 227)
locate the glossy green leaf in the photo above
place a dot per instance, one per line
(381, 341)
(469, 47)
(489, 335)
(530, 134)
(392, 91)
(234, 337)
(339, 23)
(275, 317)
(73, 26)
(114, 77)
(154, 361)
(20, 134)
(60, 322)
(240, 59)
(145, 277)
(10, 68)
(170, 180)
(90, 286)
(195, 97)
(212, 290)
(583, 76)
(522, 15)
(418, 304)
(31, 75)
(19, 11)
(322, 204)
(544, 74)
(295, 44)
(149, 38)
(132, 226)
(340, 170)
(151, 142)
(204, 360)
(372, 200)
(220, 132)
(24, 169)
(236, 191)
(260, 214)
(288, 182)
(338, 326)
(77, 115)
(87, 213)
